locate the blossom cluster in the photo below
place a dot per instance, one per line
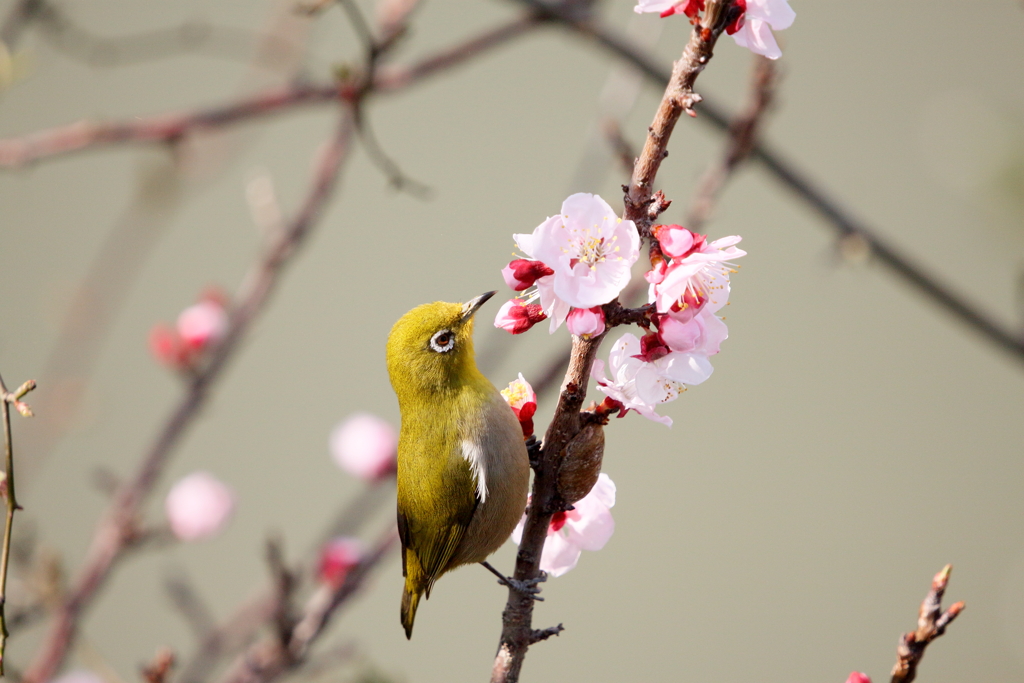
(575, 262)
(689, 284)
(751, 29)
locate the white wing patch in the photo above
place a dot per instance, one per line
(474, 455)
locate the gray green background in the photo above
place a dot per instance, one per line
(853, 439)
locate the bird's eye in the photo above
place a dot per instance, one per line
(442, 341)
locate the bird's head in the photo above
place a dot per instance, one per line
(430, 348)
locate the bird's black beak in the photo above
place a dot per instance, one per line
(471, 306)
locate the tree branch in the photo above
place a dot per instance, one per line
(118, 529)
(931, 623)
(642, 206)
(7, 399)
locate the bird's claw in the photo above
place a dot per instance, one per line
(533, 449)
(527, 586)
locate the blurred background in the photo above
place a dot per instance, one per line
(854, 438)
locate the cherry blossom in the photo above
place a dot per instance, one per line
(586, 527)
(667, 8)
(522, 399)
(517, 316)
(365, 446)
(643, 377)
(702, 333)
(337, 558)
(858, 677)
(78, 676)
(590, 251)
(522, 273)
(198, 327)
(198, 506)
(586, 322)
(698, 274)
(753, 28)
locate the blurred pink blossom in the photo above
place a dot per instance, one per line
(198, 506)
(516, 316)
(78, 676)
(586, 322)
(365, 446)
(587, 527)
(858, 677)
(337, 558)
(667, 8)
(198, 327)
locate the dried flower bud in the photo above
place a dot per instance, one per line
(581, 463)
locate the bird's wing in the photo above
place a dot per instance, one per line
(431, 525)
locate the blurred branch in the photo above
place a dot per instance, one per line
(7, 399)
(742, 138)
(158, 670)
(118, 529)
(796, 180)
(172, 128)
(642, 206)
(275, 655)
(931, 623)
(186, 599)
(22, 14)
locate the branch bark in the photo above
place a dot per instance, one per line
(931, 623)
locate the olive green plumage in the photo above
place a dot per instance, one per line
(463, 471)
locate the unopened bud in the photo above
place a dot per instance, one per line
(581, 463)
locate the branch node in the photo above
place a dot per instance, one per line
(537, 635)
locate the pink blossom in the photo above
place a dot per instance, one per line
(523, 273)
(702, 333)
(78, 676)
(667, 8)
(643, 377)
(858, 677)
(586, 527)
(590, 250)
(202, 324)
(198, 506)
(365, 446)
(522, 399)
(516, 316)
(337, 558)
(586, 322)
(198, 328)
(753, 29)
(700, 277)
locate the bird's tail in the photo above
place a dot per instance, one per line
(410, 600)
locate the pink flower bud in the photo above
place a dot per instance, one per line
(337, 558)
(202, 324)
(677, 241)
(165, 346)
(523, 273)
(522, 399)
(858, 677)
(517, 317)
(198, 506)
(365, 446)
(585, 322)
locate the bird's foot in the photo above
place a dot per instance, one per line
(533, 448)
(525, 586)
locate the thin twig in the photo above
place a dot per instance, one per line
(118, 529)
(7, 399)
(931, 623)
(642, 206)
(742, 137)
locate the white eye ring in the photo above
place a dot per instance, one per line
(443, 341)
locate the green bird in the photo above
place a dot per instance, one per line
(463, 468)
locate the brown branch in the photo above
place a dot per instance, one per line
(931, 623)
(743, 132)
(277, 654)
(159, 670)
(22, 14)
(171, 128)
(7, 399)
(118, 529)
(642, 206)
(800, 184)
